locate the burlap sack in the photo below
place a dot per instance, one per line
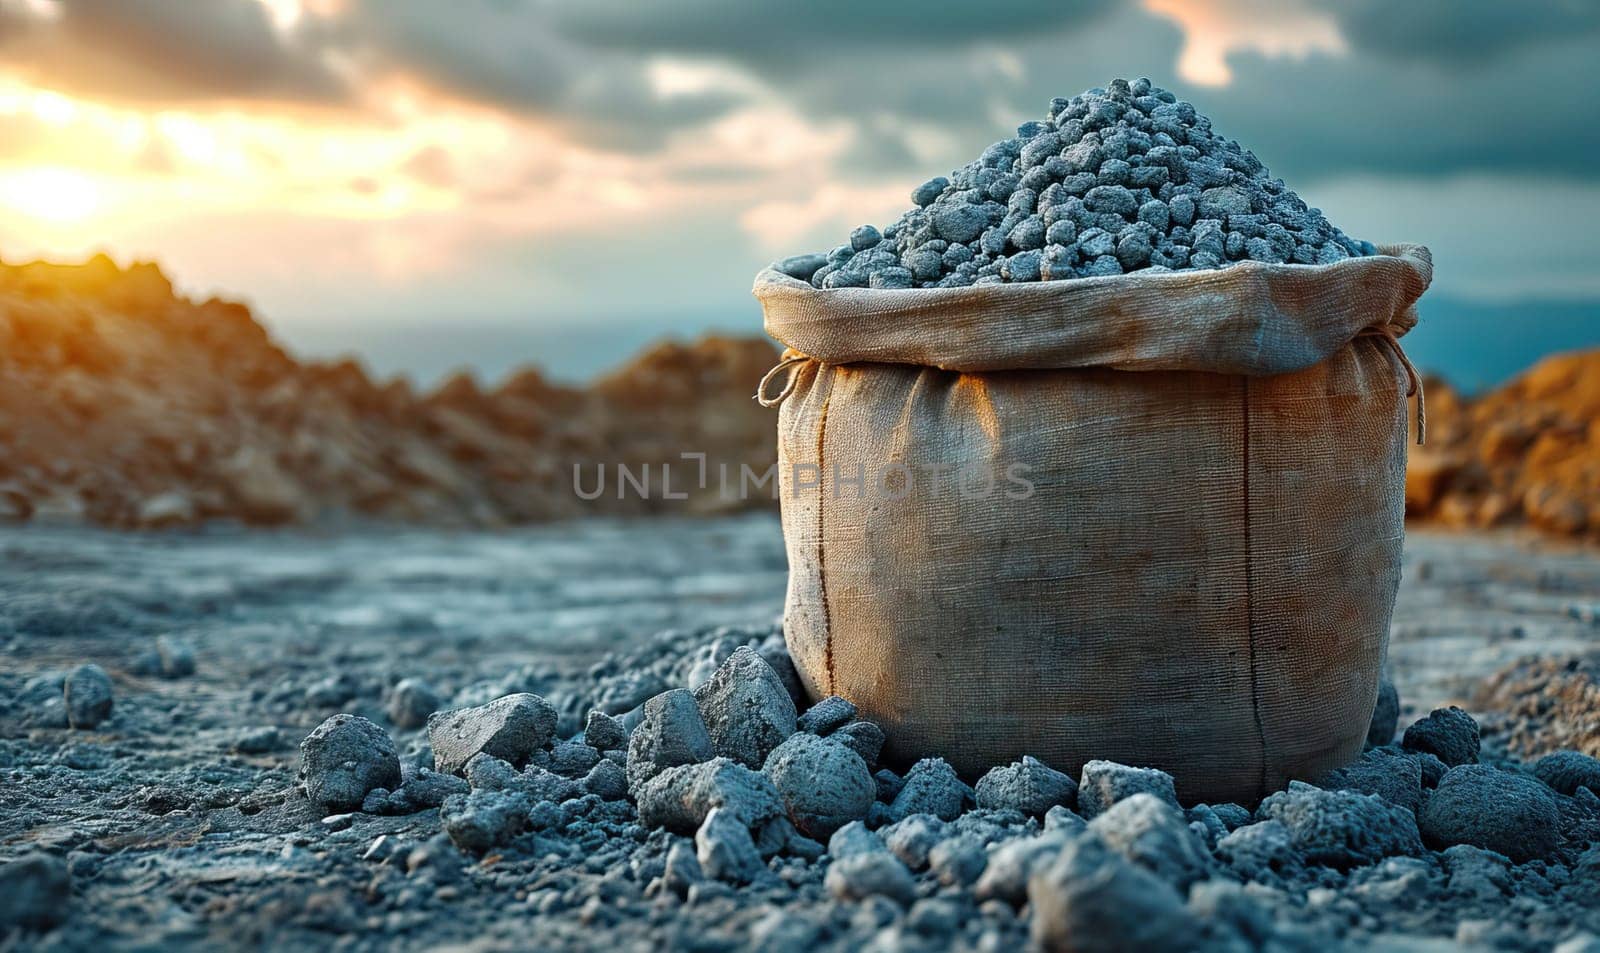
(1202, 576)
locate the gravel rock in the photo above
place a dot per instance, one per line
(174, 657)
(1029, 786)
(87, 695)
(1385, 714)
(411, 702)
(1449, 734)
(746, 708)
(853, 838)
(826, 716)
(1141, 173)
(1392, 775)
(824, 785)
(1011, 864)
(679, 798)
(871, 874)
(1486, 807)
(670, 734)
(957, 861)
(682, 870)
(422, 789)
(1566, 771)
(912, 838)
(1342, 828)
(725, 850)
(1153, 834)
(510, 728)
(573, 758)
(607, 780)
(603, 732)
(35, 892)
(1259, 852)
(344, 758)
(1090, 899)
(865, 738)
(931, 787)
(1104, 783)
(481, 820)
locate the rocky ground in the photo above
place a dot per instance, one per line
(371, 740)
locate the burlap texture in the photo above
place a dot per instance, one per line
(1202, 577)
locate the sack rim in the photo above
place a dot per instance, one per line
(849, 325)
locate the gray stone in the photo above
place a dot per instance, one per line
(573, 758)
(725, 850)
(871, 874)
(603, 732)
(1011, 864)
(510, 728)
(824, 785)
(746, 709)
(682, 870)
(1029, 786)
(801, 267)
(1392, 775)
(865, 237)
(1567, 771)
(931, 787)
(1090, 899)
(1259, 852)
(853, 838)
(87, 695)
(1153, 834)
(481, 820)
(345, 757)
(1104, 783)
(957, 861)
(1386, 713)
(865, 738)
(927, 192)
(1342, 828)
(1449, 734)
(175, 657)
(679, 798)
(411, 702)
(911, 838)
(670, 734)
(35, 893)
(1486, 807)
(607, 780)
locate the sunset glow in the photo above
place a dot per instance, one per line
(49, 195)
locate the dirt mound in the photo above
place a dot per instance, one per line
(1548, 704)
(125, 404)
(1527, 452)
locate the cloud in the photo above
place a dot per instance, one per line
(1463, 33)
(162, 51)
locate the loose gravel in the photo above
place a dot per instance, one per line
(1123, 179)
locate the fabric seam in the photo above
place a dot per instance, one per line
(1249, 591)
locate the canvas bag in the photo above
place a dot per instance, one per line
(1202, 577)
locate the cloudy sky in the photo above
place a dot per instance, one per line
(487, 182)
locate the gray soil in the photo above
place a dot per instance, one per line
(178, 820)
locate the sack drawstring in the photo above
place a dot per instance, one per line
(1414, 388)
(788, 364)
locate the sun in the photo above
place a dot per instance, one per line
(50, 194)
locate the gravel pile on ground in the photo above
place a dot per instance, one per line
(1115, 180)
(686, 794)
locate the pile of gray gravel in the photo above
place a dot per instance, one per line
(732, 788)
(1112, 181)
